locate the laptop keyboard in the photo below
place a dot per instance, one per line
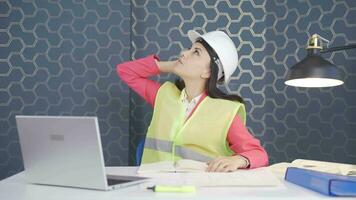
(116, 181)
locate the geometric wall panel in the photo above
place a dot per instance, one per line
(59, 58)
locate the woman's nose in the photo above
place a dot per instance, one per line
(181, 56)
(183, 53)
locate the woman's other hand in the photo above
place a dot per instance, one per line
(227, 164)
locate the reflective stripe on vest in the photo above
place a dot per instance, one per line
(190, 154)
(166, 146)
(158, 145)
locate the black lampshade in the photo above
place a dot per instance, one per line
(313, 71)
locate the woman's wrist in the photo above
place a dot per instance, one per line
(245, 160)
(165, 66)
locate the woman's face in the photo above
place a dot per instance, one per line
(193, 63)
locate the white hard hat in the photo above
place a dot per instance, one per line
(224, 47)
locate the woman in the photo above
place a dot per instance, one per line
(193, 119)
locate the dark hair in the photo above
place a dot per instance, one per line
(211, 85)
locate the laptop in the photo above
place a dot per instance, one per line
(66, 151)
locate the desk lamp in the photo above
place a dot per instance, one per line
(314, 70)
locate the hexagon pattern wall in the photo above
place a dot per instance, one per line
(270, 36)
(59, 58)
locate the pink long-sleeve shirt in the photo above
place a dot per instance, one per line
(135, 74)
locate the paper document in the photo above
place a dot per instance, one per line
(183, 165)
(251, 178)
(193, 173)
(321, 166)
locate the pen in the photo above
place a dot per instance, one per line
(167, 188)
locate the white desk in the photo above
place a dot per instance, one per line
(15, 188)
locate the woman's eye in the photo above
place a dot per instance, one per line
(196, 51)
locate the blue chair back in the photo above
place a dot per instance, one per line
(139, 151)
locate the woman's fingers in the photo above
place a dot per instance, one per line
(218, 165)
(229, 168)
(224, 164)
(213, 165)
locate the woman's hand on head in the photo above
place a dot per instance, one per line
(227, 164)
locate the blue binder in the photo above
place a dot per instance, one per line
(324, 183)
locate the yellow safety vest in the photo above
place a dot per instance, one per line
(202, 137)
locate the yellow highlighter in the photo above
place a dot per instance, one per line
(170, 188)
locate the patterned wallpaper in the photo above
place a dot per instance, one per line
(59, 58)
